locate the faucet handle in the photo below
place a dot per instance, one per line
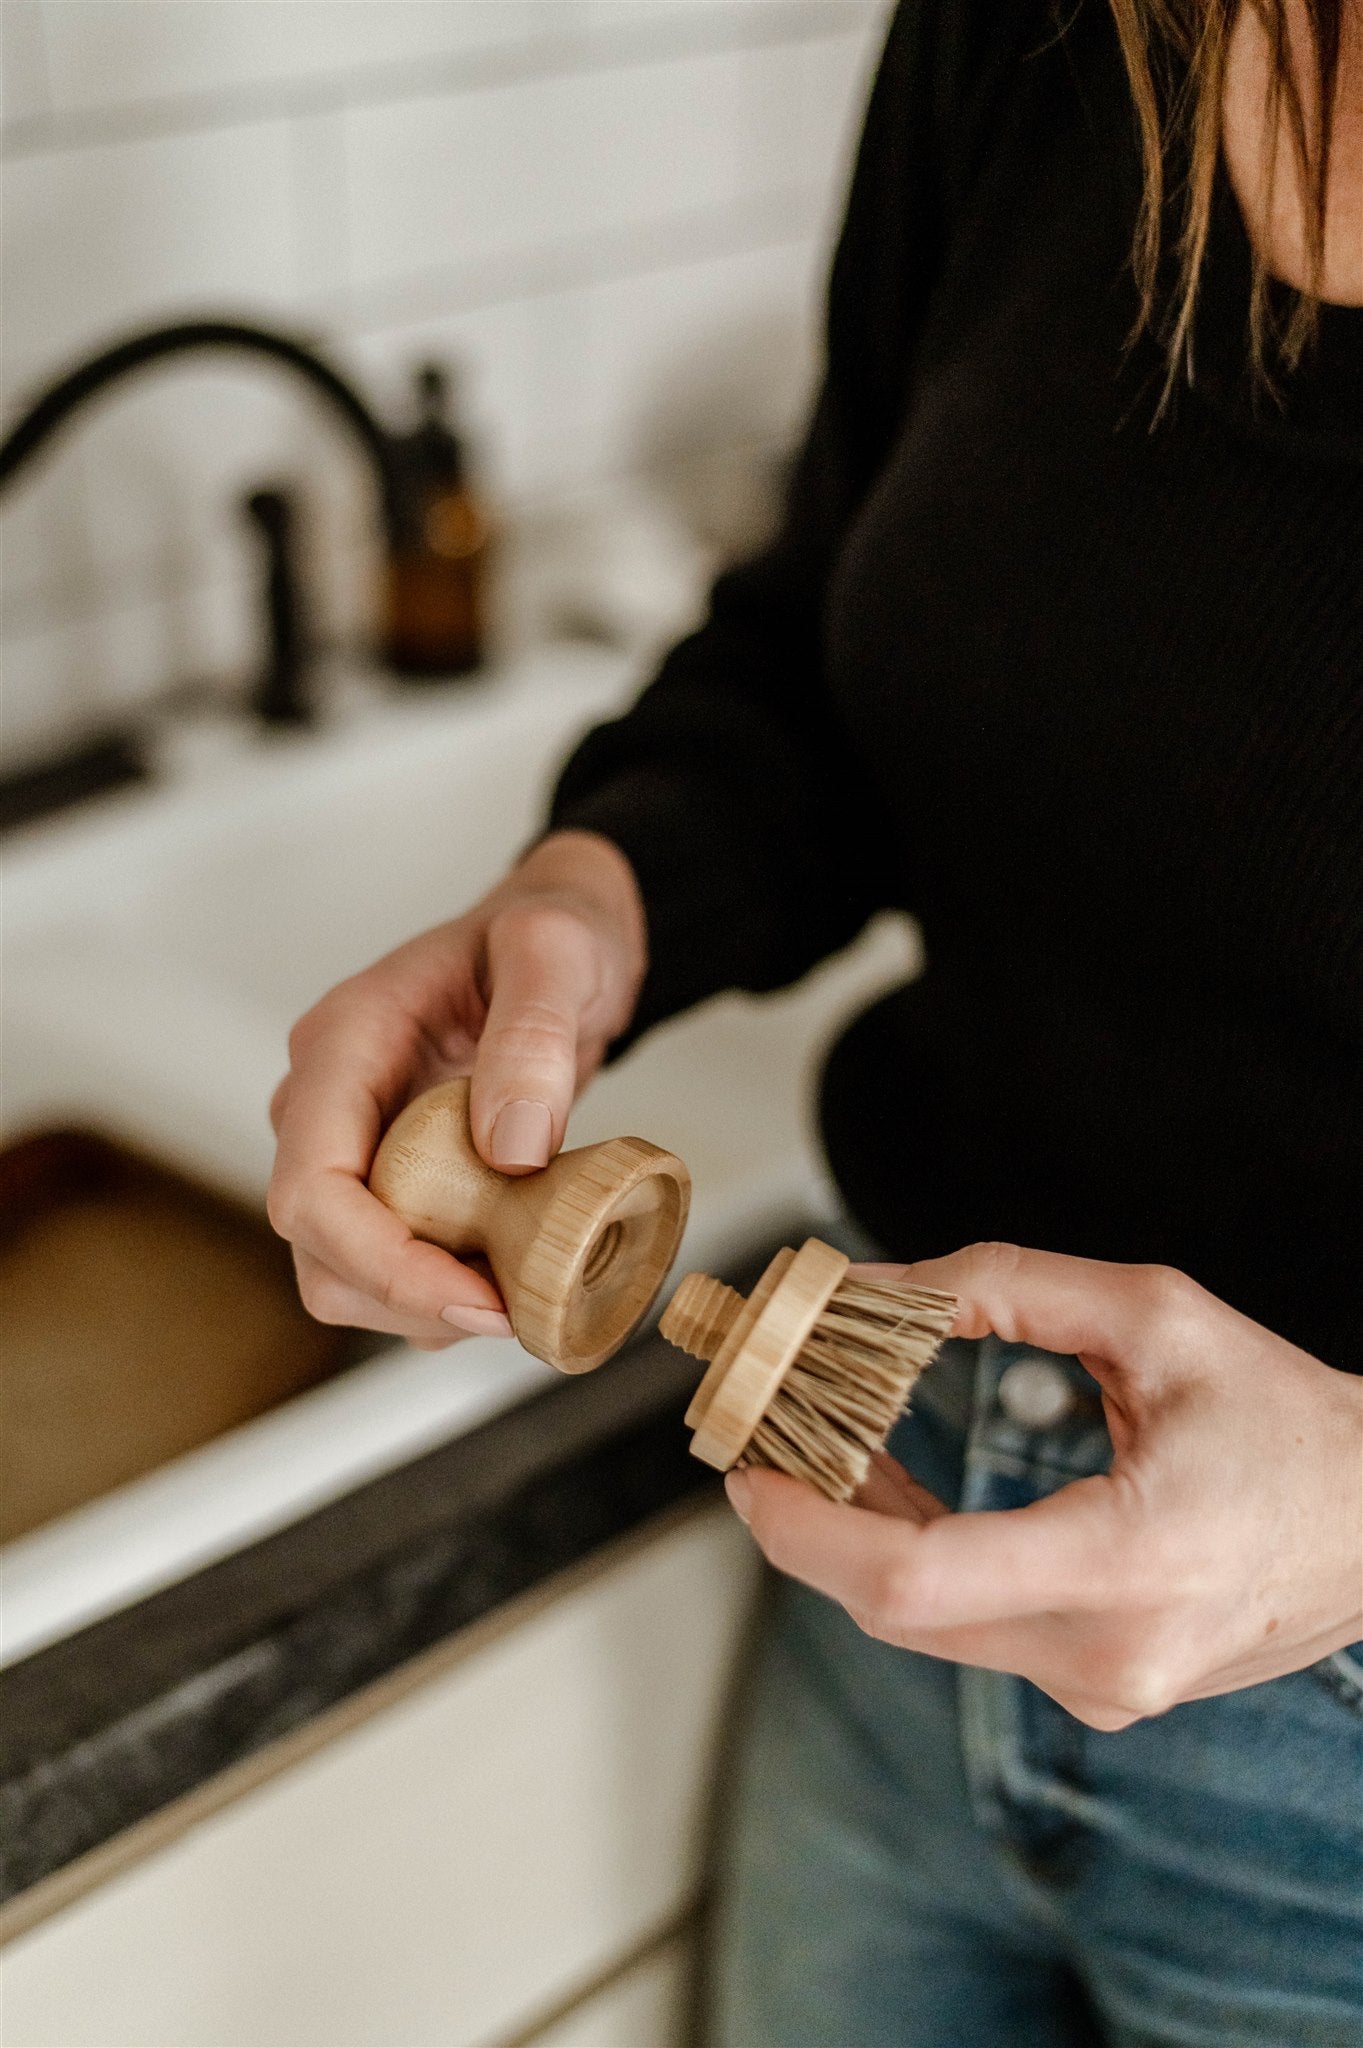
(278, 697)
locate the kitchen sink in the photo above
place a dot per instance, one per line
(158, 945)
(144, 1315)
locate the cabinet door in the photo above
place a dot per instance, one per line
(450, 1868)
(646, 2006)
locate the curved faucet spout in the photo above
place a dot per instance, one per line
(54, 406)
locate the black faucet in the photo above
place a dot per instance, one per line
(54, 406)
(416, 566)
(279, 697)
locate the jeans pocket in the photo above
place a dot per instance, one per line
(1342, 1674)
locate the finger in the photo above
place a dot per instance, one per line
(542, 972)
(345, 1083)
(330, 1126)
(889, 1490)
(352, 1233)
(890, 1593)
(1046, 1650)
(950, 1572)
(1092, 1308)
(329, 1299)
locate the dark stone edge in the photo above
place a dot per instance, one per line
(102, 1729)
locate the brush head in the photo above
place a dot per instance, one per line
(811, 1373)
(850, 1383)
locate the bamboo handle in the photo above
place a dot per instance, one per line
(430, 1172)
(579, 1249)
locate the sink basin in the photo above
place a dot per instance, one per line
(157, 950)
(143, 1316)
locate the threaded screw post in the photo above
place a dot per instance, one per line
(700, 1315)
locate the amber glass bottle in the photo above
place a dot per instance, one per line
(435, 596)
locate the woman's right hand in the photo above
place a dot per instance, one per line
(525, 991)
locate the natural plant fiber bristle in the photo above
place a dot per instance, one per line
(850, 1383)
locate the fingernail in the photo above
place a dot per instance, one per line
(477, 1322)
(522, 1134)
(738, 1486)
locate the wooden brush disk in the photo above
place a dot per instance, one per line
(811, 1372)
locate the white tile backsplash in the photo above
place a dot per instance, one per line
(609, 212)
(675, 361)
(93, 668)
(141, 505)
(44, 686)
(103, 52)
(23, 62)
(547, 161)
(96, 240)
(321, 198)
(46, 570)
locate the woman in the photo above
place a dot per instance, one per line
(1061, 647)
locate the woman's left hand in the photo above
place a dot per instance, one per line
(1224, 1546)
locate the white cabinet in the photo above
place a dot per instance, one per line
(644, 2007)
(457, 1864)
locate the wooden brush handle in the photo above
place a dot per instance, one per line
(579, 1249)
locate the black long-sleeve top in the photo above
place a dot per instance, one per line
(1080, 687)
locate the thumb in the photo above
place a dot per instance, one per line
(1044, 1299)
(1093, 1309)
(541, 974)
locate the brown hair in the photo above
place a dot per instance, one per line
(1175, 52)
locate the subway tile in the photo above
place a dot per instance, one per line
(777, 146)
(598, 16)
(97, 240)
(23, 61)
(449, 179)
(110, 52)
(733, 22)
(674, 362)
(321, 202)
(804, 104)
(576, 241)
(47, 694)
(169, 463)
(838, 87)
(141, 491)
(69, 678)
(147, 516)
(46, 570)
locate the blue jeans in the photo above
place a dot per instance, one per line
(922, 1855)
